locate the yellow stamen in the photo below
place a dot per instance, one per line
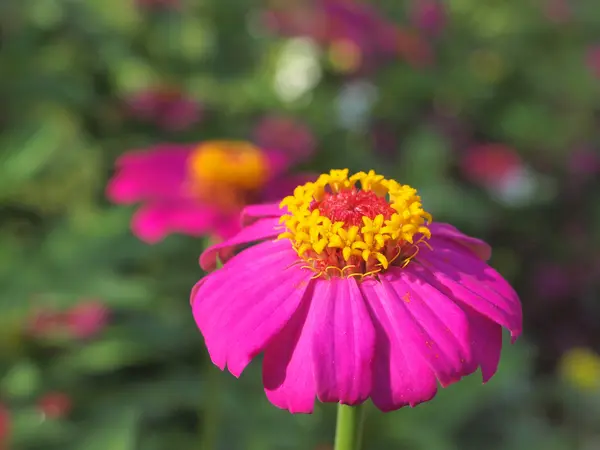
(225, 171)
(355, 251)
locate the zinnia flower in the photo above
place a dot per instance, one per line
(199, 189)
(355, 294)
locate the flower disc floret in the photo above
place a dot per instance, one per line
(355, 225)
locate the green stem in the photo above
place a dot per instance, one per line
(212, 411)
(348, 432)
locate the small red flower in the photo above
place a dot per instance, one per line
(55, 405)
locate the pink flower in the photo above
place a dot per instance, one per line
(55, 405)
(357, 37)
(284, 133)
(429, 16)
(166, 108)
(354, 294)
(198, 190)
(86, 319)
(490, 164)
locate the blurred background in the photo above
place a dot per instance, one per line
(491, 109)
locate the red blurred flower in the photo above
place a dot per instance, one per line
(86, 319)
(286, 134)
(167, 108)
(55, 405)
(490, 164)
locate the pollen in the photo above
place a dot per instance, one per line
(355, 225)
(226, 172)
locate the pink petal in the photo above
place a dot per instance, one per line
(468, 280)
(486, 341)
(154, 221)
(288, 368)
(260, 230)
(159, 173)
(432, 323)
(401, 376)
(444, 230)
(343, 342)
(241, 306)
(251, 213)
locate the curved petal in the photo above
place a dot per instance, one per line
(158, 173)
(479, 247)
(241, 306)
(288, 369)
(260, 230)
(401, 376)
(486, 341)
(343, 343)
(154, 221)
(433, 324)
(468, 280)
(252, 213)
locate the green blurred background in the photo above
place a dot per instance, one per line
(491, 109)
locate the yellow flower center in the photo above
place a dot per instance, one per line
(354, 226)
(227, 172)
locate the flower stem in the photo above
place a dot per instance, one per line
(348, 432)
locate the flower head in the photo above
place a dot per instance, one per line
(87, 319)
(354, 294)
(198, 189)
(55, 405)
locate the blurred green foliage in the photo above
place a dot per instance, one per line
(502, 72)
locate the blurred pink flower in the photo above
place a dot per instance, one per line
(358, 38)
(286, 134)
(55, 405)
(429, 16)
(198, 189)
(593, 60)
(166, 108)
(86, 319)
(490, 164)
